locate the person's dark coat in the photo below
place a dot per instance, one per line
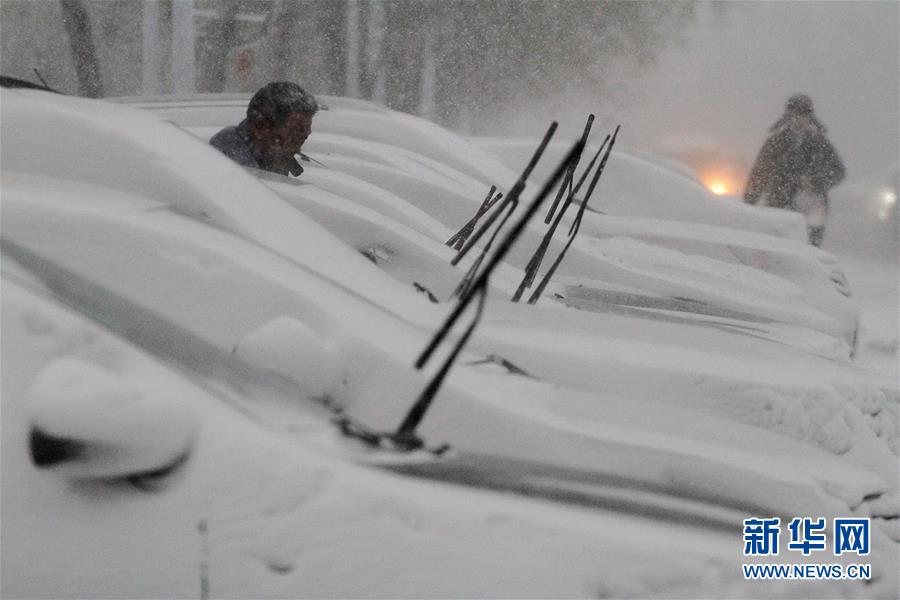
(787, 156)
(237, 144)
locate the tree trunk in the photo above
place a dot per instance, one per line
(404, 56)
(369, 52)
(353, 31)
(286, 23)
(84, 54)
(184, 64)
(332, 25)
(219, 38)
(151, 56)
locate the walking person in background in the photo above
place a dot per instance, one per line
(796, 167)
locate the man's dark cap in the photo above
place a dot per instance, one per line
(276, 101)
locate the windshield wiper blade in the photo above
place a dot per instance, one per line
(14, 82)
(570, 173)
(459, 238)
(576, 224)
(405, 436)
(531, 269)
(573, 229)
(512, 198)
(469, 277)
(498, 256)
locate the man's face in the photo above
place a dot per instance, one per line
(279, 144)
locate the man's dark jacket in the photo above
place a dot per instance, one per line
(787, 156)
(237, 144)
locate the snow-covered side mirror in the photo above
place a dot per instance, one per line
(291, 349)
(90, 423)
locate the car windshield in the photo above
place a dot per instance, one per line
(260, 395)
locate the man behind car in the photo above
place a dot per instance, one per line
(279, 119)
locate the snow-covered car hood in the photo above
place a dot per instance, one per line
(226, 523)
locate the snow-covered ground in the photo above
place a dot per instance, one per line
(868, 246)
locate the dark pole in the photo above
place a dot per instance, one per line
(84, 53)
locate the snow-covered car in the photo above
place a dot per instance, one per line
(644, 370)
(205, 114)
(127, 477)
(412, 254)
(722, 270)
(210, 251)
(487, 161)
(221, 201)
(202, 192)
(640, 185)
(179, 467)
(674, 212)
(690, 262)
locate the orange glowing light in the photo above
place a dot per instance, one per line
(718, 188)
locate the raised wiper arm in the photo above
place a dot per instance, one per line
(407, 428)
(511, 198)
(583, 206)
(405, 434)
(570, 172)
(576, 224)
(537, 258)
(469, 277)
(459, 238)
(498, 256)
